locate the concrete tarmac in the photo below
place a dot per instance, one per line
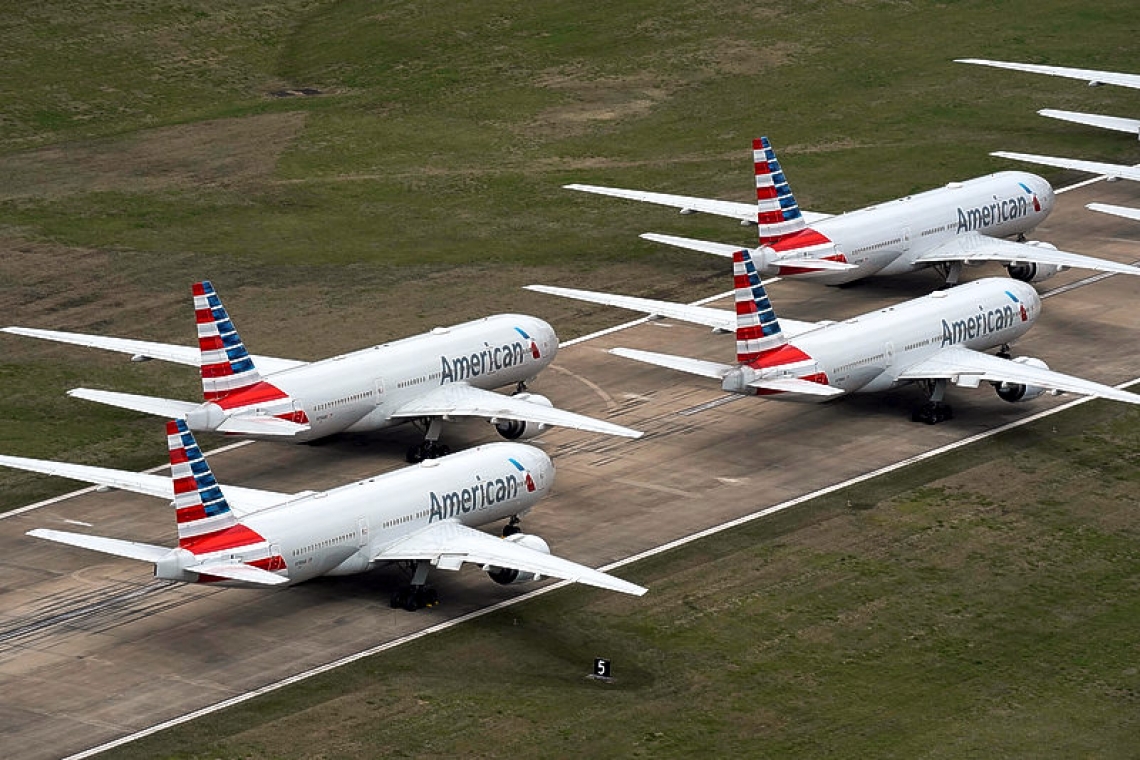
(93, 648)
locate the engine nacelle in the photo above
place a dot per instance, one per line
(507, 576)
(1032, 271)
(1016, 392)
(514, 430)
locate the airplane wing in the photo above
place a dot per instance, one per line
(744, 212)
(967, 367)
(975, 247)
(1092, 167)
(1089, 75)
(1125, 211)
(448, 544)
(718, 319)
(726, 250)
(143, 349)
(462, 400)
(241, 500)
(1115, 123)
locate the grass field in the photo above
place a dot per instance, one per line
(144, 145)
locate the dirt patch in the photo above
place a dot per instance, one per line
(220, 152)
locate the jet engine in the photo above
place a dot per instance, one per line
(513, 430)
(1032, 271)
(1016, 392)
(509, 575)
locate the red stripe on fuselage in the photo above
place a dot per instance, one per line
(251, 395)
(777, 357)
(229, 538)
(805, 238)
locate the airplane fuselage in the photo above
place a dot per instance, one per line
(887, 238)
(338, 532)
(358, 392)
(862, 354)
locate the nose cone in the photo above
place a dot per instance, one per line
(538, 465)
(1027, 296)
(1042, 194)
(543, 336)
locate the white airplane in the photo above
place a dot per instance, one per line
(962, 223)
(1093, 77)
(422, 516)
(933, 340)
(427, 378)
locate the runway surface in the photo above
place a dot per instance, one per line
(93, 648)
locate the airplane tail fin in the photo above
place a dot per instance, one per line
(200, 508)
(757, 329)
(777, 213)
(226, 366)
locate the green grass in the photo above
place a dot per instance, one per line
(981, 604)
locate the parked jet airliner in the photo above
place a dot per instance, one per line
(427, 378)
(1092, 76)
(934, 340)
(421, 515)
(962, 223)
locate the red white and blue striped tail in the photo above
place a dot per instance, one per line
(199, 505)
(226, 366)
(777, 213)
(757, 329)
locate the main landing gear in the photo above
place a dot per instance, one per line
(934, 410)
(512, 527)
(430, 447)
(417, 594)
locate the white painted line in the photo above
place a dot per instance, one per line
(236, 700)
(1079, 185)
(89, 489)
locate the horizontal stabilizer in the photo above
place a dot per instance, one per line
(144, 349)
(1125, 211)
(160, 407)
(719, 319)
(1115, 123)
(679, 363)
(115, 546)
(796, 385)
(686, 204)
(260, 425)
(239, 571)
(704, 246)
(1092, 167)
